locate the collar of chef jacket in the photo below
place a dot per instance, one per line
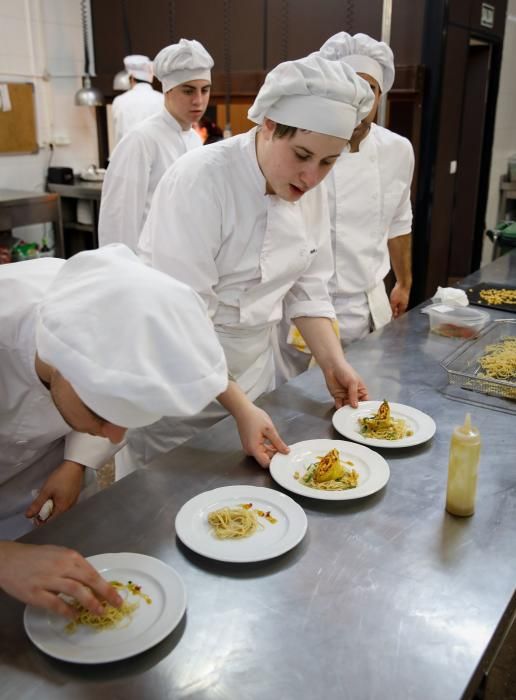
(258, 178)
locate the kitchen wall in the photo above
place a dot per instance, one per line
(505, 126)
(41, 42)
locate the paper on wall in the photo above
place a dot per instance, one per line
(5, 100)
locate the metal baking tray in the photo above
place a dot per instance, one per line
(463, 366)
(473, 294)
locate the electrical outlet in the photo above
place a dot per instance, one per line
(61, 140)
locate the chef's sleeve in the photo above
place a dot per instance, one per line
(89, 450)
(401, 222)
(124, 193)
(183, 231)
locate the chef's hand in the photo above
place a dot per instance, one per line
(63, 486)
(36, 574)
(399, 299)
(259, 437)
(345, 385)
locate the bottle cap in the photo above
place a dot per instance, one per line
(467, 432)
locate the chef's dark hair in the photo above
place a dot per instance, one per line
(282, 131)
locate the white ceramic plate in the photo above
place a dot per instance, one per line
(345, 420)
(193, 529)
(149, 625)
(373, 470)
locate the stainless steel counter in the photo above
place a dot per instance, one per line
(386, 598)
(79, 189)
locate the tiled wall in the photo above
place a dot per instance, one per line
(41, 42)
(505, 125)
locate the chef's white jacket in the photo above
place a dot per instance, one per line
(34, 439)
(212, 226)
(369, 200)
(133, 106)
(135, 168)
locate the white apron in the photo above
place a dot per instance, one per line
(359, 314)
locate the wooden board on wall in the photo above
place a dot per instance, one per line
(18, 125)
(237, 115)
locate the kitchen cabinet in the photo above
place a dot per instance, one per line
(80, 204)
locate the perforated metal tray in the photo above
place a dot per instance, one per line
(463, 366)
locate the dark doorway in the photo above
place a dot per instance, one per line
(466, 230)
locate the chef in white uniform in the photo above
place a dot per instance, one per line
(68, 355)
(370, 211)
(140, 159)
(140, 101)
(100, 334)
(246, 225)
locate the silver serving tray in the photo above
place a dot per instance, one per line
(463, 366)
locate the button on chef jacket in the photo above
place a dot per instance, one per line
(135, 168)
(369, 199)
(34, 439)
(212, 226)
(133, 106)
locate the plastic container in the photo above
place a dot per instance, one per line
(456, 321)
(461, 490)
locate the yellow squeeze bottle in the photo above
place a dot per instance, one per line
(463, 469)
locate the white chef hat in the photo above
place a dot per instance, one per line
(364, 54)
(314, 94)
(179, 63)
(134, 343)
(139, 67)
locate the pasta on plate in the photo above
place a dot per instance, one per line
(382, 426)
(234, 523)
(112, 617)
(329, 473)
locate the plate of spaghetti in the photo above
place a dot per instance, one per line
(330, 470)
(384, 424)
(241, 523)
(154, 603)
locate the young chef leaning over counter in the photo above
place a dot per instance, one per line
(244, 223)
(370, 213)
(142, 156)
(89, 347)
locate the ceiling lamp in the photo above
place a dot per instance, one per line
(87, 96)
(121, 81)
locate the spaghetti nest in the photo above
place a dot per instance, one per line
(112, 617)
(233, 523)
(329, 474)
(382, 426)
(498, 296)
(499, 360)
